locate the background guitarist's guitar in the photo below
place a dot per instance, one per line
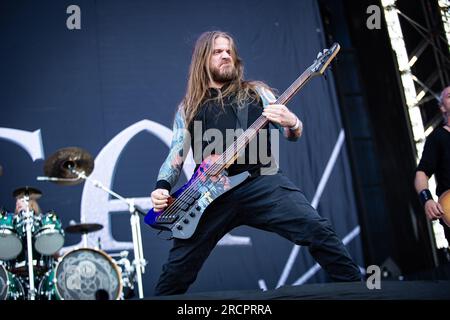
(210, 181)
(444, 201)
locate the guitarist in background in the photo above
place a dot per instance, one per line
(215, 97)
(436, 160)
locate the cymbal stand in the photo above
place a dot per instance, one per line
(139, 260)
(28, 217)
(85, 240)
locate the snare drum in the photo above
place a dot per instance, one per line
(82, 274)
(49, 236)
(10, 240)
(10, 286)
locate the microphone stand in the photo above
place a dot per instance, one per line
(139, 260)
(28, 217)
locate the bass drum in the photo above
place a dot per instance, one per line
(10, 286)
(82, 274)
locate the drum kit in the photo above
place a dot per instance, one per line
(30, 241)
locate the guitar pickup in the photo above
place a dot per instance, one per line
(190, 200)
(184, 206)
(167, 219)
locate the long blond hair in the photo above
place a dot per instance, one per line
(200, 76)
(33, 205)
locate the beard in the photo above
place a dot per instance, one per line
(225, 74)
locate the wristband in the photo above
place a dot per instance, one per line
(296, 126)
(163, 184)
(425, 195)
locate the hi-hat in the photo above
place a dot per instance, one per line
(33, 193)
(63, 161)
(83, 228)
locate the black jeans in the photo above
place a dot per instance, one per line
(272, 203)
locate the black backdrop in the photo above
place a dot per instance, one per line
(128, 63)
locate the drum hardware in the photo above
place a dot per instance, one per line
(128, 271)
(26, 194)
(57, 179)
(99, 243)
(77, 164)
(40, 267)
(21, 270)
(84, 229)
(43, 233)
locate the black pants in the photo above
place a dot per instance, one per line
(272, 203)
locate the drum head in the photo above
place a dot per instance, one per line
(10, 245)
(48, 242)
(10, 242)
(85, 274)
(49, 237)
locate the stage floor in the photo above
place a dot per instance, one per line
(390, 290)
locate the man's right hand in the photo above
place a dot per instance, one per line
(159, 199)
(433, 210)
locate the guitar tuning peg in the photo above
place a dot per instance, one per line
(319, 55)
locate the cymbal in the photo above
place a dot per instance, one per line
(59, 165)
(83, 228)
(33, 193)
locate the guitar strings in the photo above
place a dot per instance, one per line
(238, 145)
(215, 166)
(190, 191)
